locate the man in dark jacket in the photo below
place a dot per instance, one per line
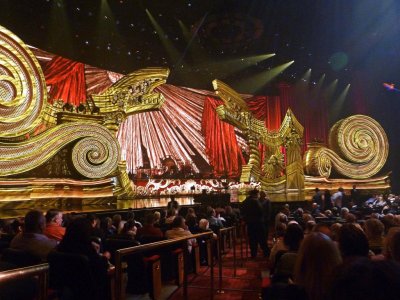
(253, 215)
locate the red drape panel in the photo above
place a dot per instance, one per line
(310, 111)
(267, 109)
(66, 79)
(221, 145)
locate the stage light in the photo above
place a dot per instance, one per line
(301, 89)
(185, 31)
(169, 47)
(316, 89)
(330, 90)
(254, 83)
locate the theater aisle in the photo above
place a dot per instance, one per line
(245, 285)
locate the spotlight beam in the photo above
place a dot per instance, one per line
(169, 47)
(254, 83)
(337, 106)
(189, 39)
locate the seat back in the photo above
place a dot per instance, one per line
(113, 244)
(20, 258)
(72, 276)
(147, 239)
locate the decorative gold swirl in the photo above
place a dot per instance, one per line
(316, 161)
(359, 149)
(95, 155)
(22, 87)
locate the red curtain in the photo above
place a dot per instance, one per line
(267, 109)
(66, 79)
(311, 112)
(222, 148)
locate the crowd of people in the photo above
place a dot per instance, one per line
(341, 247)
(39, 235)
(313, 251)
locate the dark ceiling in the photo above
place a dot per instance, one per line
(118, 34)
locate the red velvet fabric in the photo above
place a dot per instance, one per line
(222, 148)
(66, 79)
(267, 109)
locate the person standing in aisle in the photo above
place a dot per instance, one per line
(253, 215)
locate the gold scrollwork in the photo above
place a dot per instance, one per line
(358, 149)
(95, 155)
(22, 88)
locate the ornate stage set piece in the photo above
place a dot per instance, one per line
(66, 153)
(59, 151)
(358, 149)
(278, 176)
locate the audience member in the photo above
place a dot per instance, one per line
(148, 229)
(367, 280)
(32, 239)
(254, 218)
(316, 261)
(353, 242)
(53, 229)
(179, 229)
(191, 219)
(374, 231)
(285, 263)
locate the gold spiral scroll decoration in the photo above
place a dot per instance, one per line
(358, 149)
(22, 87)
(96, 152)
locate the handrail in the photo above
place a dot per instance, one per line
(142, 248)
(37, 270)
(222, 231)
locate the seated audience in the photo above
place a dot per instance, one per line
(191, 219)
(77, 240)
(171, 214)
(367, 280)
(316, 261)
(157, 218)
(214, 220)
(278, 244)
(148, 229)
(391, 247)
(128, 231)
(53, 229)
(107, 227)
(179, 229)
(117, 222)
(32, 239)
(130, 216)
(230, 217)
(374, 232)
(335, 230)
(284, 265)
(353, 242)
